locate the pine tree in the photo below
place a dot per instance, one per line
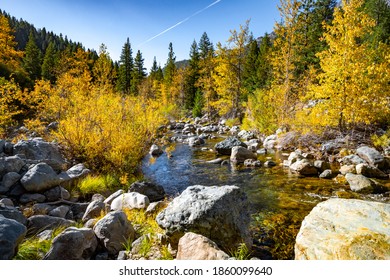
(379, 10)
(126, 65)
(264, 71)
(251, 65)
(49, 63)
(170, 67)
(138, 72)
(205, 46)
(156, 72)
(192, 77)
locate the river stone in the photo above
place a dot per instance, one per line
(215, 161)
(345, 229)
(225, 147)
(38, 150)
(13, 213)
(344, 169)
(155, 150)
(57, 193)
(327, 174)
(114, 195)
(153, 191)
(351, 160)
(194, 246)
(12, 164)
(130, 200)
(252, 163)
(60, 211)
(8, 181)
(304, 167)
(39, 178)
(73, 244)
(372, 156)
(360, 183)
(321, 165)
(195, 141)
(370, 171)
(218, 213)
(270, 141)
(240, 154)
(113, 230)
(94, 210)
(246, 135)
(32, 197)
(6, 202)
(11, 235)
(38, 223)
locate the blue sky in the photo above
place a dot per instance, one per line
(93, 22)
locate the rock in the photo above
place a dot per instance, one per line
(344, 169)
(60, 211)
(253, 145)
(321, 165)
(240, 154)
(155, 150)
(32, 197)
(361, 184)
(57, 193)
(370, 171)
(270, 141)
(292, 158)
(98, 197)
(8, 148)
(261, 151)
(94, 210)
(114, 195)
(153, 191)
(252, 163)
(12, 164)
(331, 147)
(345, 229)
(8, 181)
(130, 200)
(73, 244)
(195, 141)
(38, 151)
(215, 161)
(371, 156)
(11, 235)
(351, 160)
(2, 144)
(6, 202)
(78, 210)
(38, 223)
(155, 207)
(225, 147)
(327, 174)
(113, 230)
(246, 135)
(45, 235)
(16, 190)
(219, 213)
(304, 167)
(77, 171)
(13, 214)
(39, 178)
(193, 246)
(269, 163)
(41, 209)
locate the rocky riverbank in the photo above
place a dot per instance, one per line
(202, 222)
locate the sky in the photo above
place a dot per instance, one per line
(149, 24)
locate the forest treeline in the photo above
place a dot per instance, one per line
(326, 64)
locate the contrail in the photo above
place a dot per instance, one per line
(180, 22)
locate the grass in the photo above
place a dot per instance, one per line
(145, 223)
(35, 249)
(165, 253)
(241, 253)
(97, 184)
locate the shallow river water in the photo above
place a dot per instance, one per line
(270, 190)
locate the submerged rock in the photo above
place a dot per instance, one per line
(218, 213)
(345, 229)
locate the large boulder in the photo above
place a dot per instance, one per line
(37, 150)
(39, 178)
(130, 200)
(240, 154)
(218, 213)
(11, 164)
(73, 244)
(304, 167)
(94, 210)
(13, 214)
(153, 191)
(345, 229)
(114, 230)
(194, 246)
(371, 156)
(225, 147)
(11, 235)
